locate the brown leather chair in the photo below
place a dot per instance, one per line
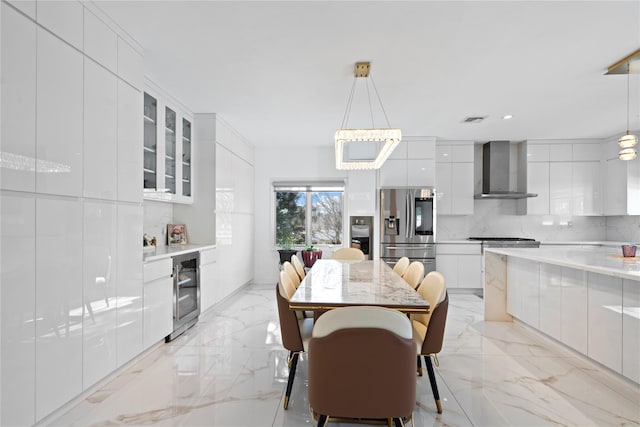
(295, 331)
(428, 329)
(344, 384)
(413, 274)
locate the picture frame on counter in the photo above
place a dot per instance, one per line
(176, 234)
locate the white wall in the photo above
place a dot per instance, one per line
(624, 228)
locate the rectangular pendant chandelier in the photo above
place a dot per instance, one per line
(388, 138)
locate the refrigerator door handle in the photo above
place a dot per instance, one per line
(407, 216)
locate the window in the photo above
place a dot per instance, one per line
(308, 213)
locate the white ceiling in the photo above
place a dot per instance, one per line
(280, 72)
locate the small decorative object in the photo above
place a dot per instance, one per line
(176, 234)
(629, 250)
(310, 254)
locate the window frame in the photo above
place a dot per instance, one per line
(309, 187)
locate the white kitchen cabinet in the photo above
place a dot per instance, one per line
(586, 188)
(130, 288)
(560, 194)
(100, 132)
(454, 179)
(208, 275)
(622, 182)
(158, 301)
(411, 164)
(566, 177)
(100, 42)
(64, 18)
(444, 188)
(460, 264)
(421, 173)
(60, 117)
(538, 183)
(523, 290)
(129, 136)
(551, 300)
(575, 309)
(605, 320)
(575, 188)
(631, 330)
(18, 296)
(99, 289)
(168, 150)
(393, 173)
(18, 98)
(59, 303)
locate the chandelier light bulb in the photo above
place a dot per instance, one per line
(628, 141)
(627, 154)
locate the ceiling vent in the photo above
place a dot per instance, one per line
(474, 119)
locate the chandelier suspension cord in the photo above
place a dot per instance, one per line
(380, 100)
(347, 111)
(628, 74)
(370, 107)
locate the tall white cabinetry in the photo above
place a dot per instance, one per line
(566, 177)
(167, 148)
(622, 182)
(454, 178)
(412, 164)
(70, 222)
(234, 210)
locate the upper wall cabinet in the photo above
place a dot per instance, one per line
(622, 182)
(454, 178)
(168, 151)
(566, 177)
(411, 164)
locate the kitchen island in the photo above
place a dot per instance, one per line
(586, 298)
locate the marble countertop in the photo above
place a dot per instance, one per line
(603, 260)
(161, 252)
(458, 242)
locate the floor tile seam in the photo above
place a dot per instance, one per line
(454, 396)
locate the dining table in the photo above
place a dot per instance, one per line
(342, 283)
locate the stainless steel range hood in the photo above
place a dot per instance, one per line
(498, 181)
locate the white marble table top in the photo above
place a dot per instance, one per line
(603, 260)
(335, 283)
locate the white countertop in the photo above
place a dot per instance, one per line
(458, 242)
(603, 260)
(161, 252)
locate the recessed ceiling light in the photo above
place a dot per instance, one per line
(507, 117)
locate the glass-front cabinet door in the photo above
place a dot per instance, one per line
(150, 142)
(186, 157)
(168, 150)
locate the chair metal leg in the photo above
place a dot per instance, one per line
(432, 380)
(292, 374)
(322, 420)
(419, 367)
(399, 422)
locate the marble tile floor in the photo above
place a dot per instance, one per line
(230, 370)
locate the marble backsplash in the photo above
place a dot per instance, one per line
(498, 218)
(624, 228)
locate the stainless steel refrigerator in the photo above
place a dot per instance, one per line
(408, 225)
